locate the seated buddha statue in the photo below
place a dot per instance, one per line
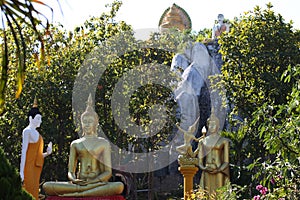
(93, 155)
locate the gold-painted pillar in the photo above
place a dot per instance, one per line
(188, 173)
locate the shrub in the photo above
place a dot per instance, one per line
(10, 181)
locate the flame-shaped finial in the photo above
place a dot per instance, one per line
(90, 100)
(89, 105)
(35, 104)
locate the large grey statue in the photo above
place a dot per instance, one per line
(194, 95)
(196, 66)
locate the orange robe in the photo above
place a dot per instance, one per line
(33, 167)
(220, 30)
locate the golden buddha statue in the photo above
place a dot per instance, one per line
(213, 157)
(94, 155)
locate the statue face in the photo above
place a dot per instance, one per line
(36, 121)
(88, 124)
(213, 126)
(220, 18)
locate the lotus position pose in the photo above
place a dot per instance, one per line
(213, 157)
(94, 155)
(32, 156)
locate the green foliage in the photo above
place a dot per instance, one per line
(10, 181)
(259, 48)
(141, 101)
(204, 35)
(261, 75)
(14, 14)
(139, 59)
(171, 40)
(280, 177)
(279, 124)
(279, 130)
(53, 85)
(228, 192)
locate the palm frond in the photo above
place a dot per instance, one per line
(14, 12)
(4, 71)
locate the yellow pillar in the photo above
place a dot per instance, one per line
(188, 173)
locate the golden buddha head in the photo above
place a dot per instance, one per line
(89, 119)
(213, 122)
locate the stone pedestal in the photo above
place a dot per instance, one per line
(188, 173)
(116, 197)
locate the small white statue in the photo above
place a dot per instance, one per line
(32, 157)
(220, 27)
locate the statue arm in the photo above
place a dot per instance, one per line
(72, 163)
(48, 151)
(195, 124)
(225, 164)
(199, 138)
(194, 153)
(201, 156)
(227, 27)
(213, 35)
(105, 176)
(179, 128)
(190, 131)
(25, 142)
(188, 135)
(106, 163)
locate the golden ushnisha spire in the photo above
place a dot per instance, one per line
(35, 104)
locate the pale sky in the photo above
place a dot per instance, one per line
(145, 14)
